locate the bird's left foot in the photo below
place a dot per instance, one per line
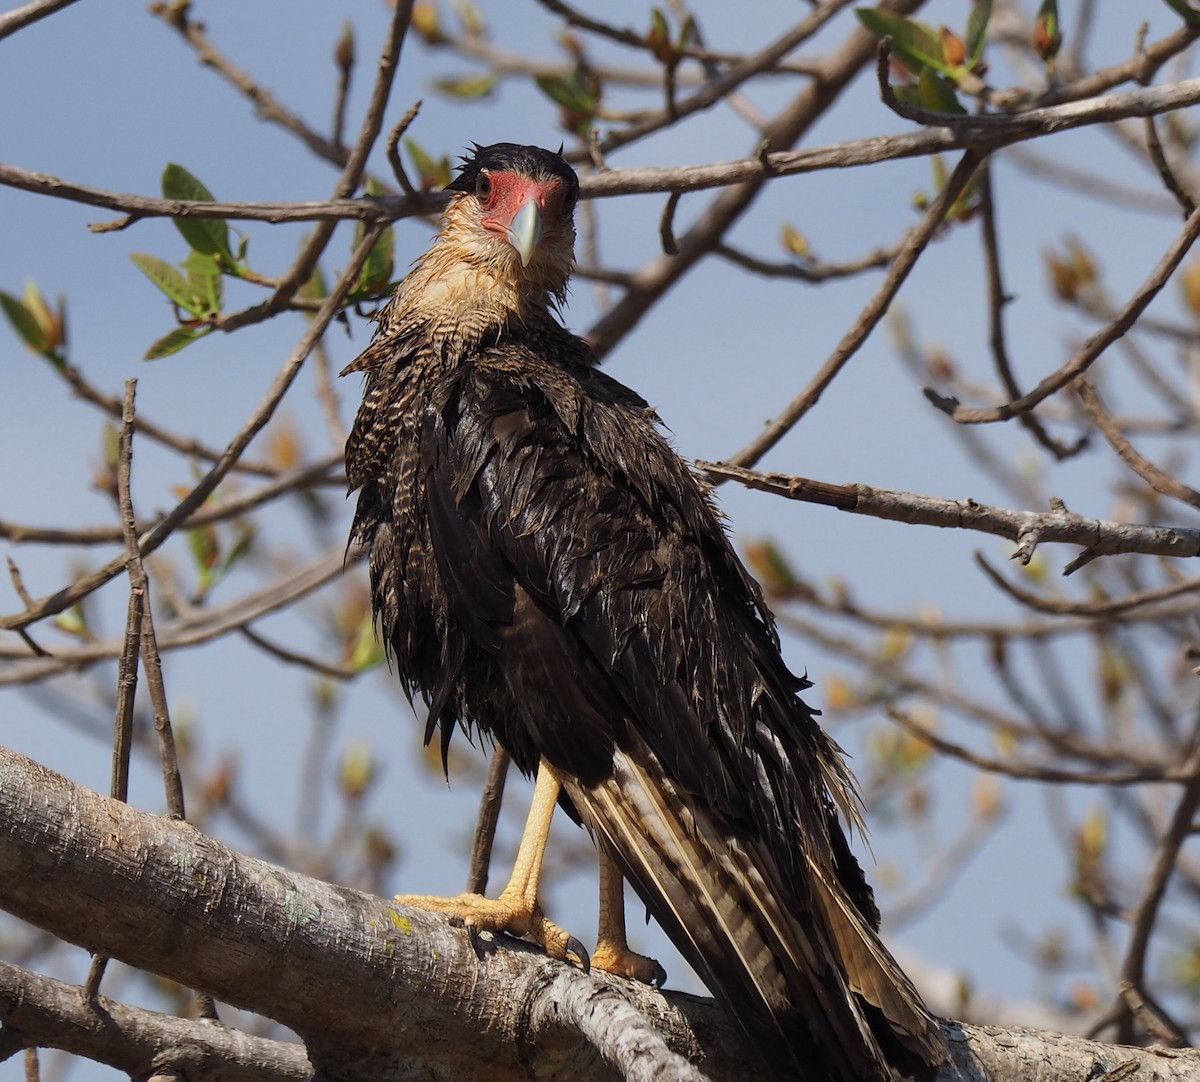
(509, 913)
(614, 956)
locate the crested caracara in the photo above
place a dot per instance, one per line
(546, 570)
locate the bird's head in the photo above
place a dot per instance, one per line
(515, 211)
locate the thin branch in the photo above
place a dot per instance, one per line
(810, 270)
(997, 299)
(485, 826)
(293, 657)
(19, 18)
(1091, 349)
(1011, 768)
(266, 104)
(914, 244)
(1165, 859)
(393, 150)
(113, 406)
(200, 625)
(614, 182)
(1099, 610)
(347, 184)
(783, 131)
(1158, 479)
(1158, 158)
(1099, 537)
(285, 483)
(1082, 182)
(127, 667)
(666, 229)
(68, 596)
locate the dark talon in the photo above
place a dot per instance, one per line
(580, 951)
(660, 977)
(476, 941)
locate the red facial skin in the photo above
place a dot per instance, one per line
(509, 191)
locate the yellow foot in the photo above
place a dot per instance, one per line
(504, 914)
(619, 959)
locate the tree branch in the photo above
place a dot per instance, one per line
(375, 991)
(50, 1014)
(1028, 529)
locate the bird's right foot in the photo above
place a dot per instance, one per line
(509, 913)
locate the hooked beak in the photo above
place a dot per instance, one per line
(525, 230)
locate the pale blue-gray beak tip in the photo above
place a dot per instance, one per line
(525, 230)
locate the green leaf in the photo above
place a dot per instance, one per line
(242, 547)
(913, 42)
(568, 91)
(936, 94)
(207, 235)
(175, 341)
(24, 323)
(376, 272)
(434, 172)
(468, 87)
(1047, 31)
(43, 331)
(659, 38)
(977, 26)
(204, 276)
(170, 281)
(1190, 15)
(686, 33)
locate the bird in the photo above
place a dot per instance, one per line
(548, 573)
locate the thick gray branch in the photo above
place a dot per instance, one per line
(377, 992)
(47, 1013)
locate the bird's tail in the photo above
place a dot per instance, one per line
(809, 981)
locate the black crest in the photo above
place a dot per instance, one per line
(528, 160)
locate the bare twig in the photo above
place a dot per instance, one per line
(393, 150)
(19, 18)
(666, 229)
(319, 473)
(1165, 859)
(810, 270)
(781, 132)
(997, 299)
(1029, 529)
(614, 182)
(199, 625)
(1091, 349)
(1157, 478)
(1100, 610)
(127, 668)
(914, 244)
(356, 163)
(485, 825)
(113, 406)
(1011, 768)
(68, 596)
(293, 657)
(266, 104)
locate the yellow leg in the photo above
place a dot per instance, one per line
(516, 911)
(612, 953)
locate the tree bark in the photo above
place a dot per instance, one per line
(375, 991)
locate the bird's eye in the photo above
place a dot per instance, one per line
(483, 187)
